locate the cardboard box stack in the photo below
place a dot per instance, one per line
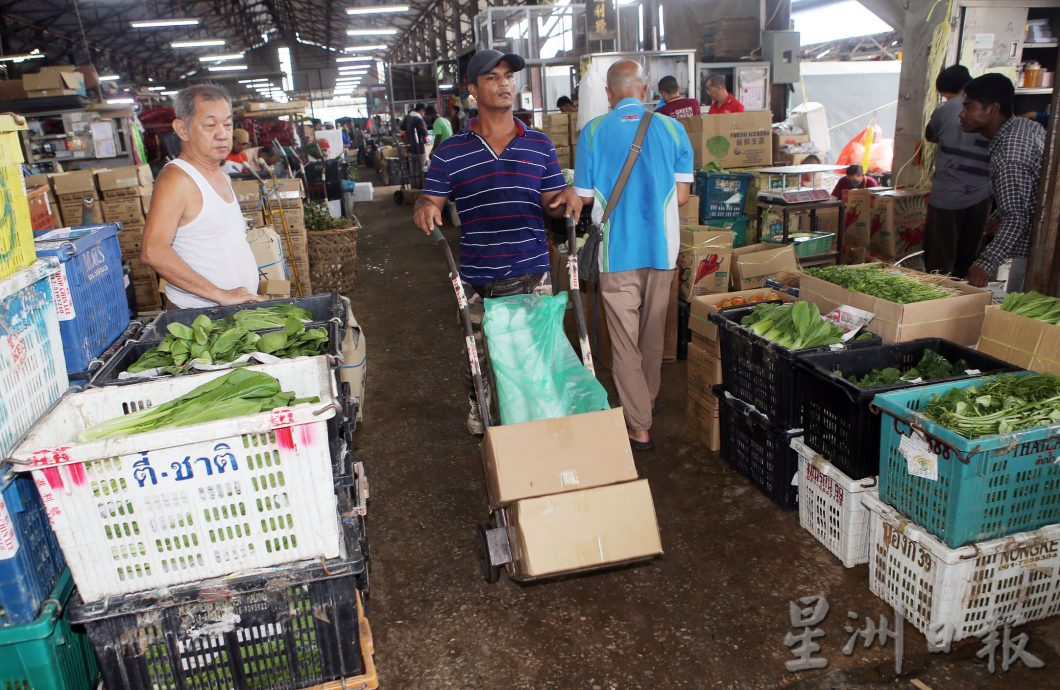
(126, 193)
(562, 128)
(733, 37)
(571, 492)
(71, 188)
(285, 200)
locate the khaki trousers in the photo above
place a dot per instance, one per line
(635, 306)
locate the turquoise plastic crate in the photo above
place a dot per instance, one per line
(48, 654)
(806, 243)
(987, 487)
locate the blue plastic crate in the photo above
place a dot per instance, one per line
(30, 559)
(722, 195)
(987, 487)
(89, 290)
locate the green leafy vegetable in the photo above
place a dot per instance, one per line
(878, 281)
(1033, 305)
(931, 367)
(235, 394)
(795, 326)
(999, 405)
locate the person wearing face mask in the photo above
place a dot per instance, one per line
(503, 177)
(195, 237)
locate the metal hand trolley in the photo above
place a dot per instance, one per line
(494, 548)
(410, 177)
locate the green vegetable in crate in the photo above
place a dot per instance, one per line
(877, 281)
(999, 405)
(931, 367)
(795, 326)
(1033, 305)
(238, 393)
(207, 341)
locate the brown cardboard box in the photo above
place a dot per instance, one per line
(1025, 342)
(563, 157)
(248, 194)
(690, 212)
(753, 264)
(705, 260)
(958, 318)
(704, 369)
(275, 289)
(129, 240)
(145, 204)
(254, 219)
(124, 210)
(268, 252)
(558, 127)
(129, 180)
(704, 414)
(58, 80)
(703, 306)
(551, 456)
(12, 89)
(290, 192)
(74, 182)
(897, 224)
(787, 139)
(733, 140)
(583, 529)
(71, 207)
(670, 327)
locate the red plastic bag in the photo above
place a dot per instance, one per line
(881, 151)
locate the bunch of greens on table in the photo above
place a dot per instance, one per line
(236, 394)
(209, 342)
(931, 367)
(998, 405)
(880, 282)
(795, 326)
(1033, 305)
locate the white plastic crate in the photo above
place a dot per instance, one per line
(967, 591)
(32, 367)
(178, 505)
(830, 506)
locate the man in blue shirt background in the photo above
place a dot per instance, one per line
(642, 236)
(503, 178)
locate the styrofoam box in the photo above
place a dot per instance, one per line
(177, 505)
(967, 591)
(362, 191)
(830, 506)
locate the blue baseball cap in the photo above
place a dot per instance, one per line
(485, 60)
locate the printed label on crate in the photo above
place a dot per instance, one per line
(14, 348)
(895, 539)
(64, 299)
(156, 467)
(851, 319)
(827, 485)
(921, 462)
(8, 538)
(1024, 555)
(54, 511)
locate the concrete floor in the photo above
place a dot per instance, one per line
(711, 613)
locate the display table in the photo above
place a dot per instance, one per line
(786, 210)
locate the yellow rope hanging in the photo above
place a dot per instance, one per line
(940, 44)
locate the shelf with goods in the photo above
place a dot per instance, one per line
(84, 135)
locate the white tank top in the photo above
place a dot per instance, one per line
(214, 243)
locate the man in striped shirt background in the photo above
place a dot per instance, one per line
(503, 178)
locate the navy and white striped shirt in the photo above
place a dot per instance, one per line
(498, 199)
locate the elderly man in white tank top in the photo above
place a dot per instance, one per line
(195, 235)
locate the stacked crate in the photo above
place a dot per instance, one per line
(964, 534)
(562, 129)
(37, 647)
(234, 549)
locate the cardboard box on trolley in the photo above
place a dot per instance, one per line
(570, 489)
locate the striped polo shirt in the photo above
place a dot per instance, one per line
(498, 199)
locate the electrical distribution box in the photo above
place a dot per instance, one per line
(781, 49)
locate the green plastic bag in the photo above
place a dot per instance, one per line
(536, 371)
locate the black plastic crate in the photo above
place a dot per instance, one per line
(837, 417)
(287, 627)
(757, 450)
(132, 350)
(81, 379)
(323, 307)
(761, 372)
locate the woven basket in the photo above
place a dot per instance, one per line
(332, 257)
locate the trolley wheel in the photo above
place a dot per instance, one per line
(490, 573)
(399, 198)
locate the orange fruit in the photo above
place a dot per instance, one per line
(738, 300)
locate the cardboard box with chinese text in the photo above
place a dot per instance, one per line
(732, 140)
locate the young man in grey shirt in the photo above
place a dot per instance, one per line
(960, 192)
